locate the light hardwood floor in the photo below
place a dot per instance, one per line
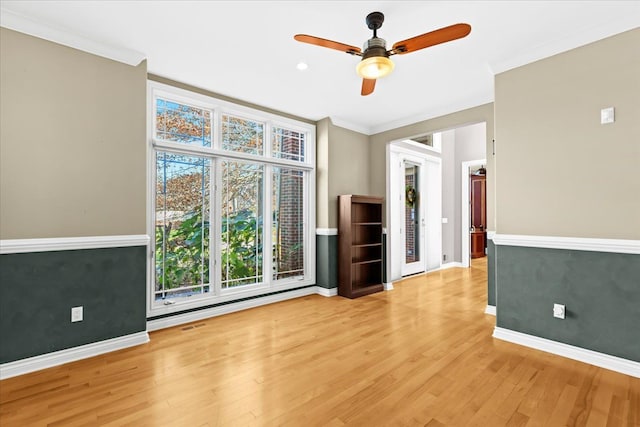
(421, 355)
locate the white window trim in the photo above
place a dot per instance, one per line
(216, 154)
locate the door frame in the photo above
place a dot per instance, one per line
(433, 215)
(465, 217)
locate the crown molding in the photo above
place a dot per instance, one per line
(345, 124)
(573, 41)
(17, 22)
(437, 112)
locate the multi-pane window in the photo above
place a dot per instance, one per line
(232, 198)
(183, 123)
(182, 211)
(242, 224)
(288, 144)
(287, 228)
(242, 135)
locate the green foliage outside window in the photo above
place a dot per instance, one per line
(186, 250)
(242, 256)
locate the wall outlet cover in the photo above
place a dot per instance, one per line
(76, 314)
(558, 311)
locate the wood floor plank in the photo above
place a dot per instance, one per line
(419, 355)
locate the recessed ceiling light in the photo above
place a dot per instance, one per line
(302, 66)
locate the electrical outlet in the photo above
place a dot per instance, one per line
(444, 257)
(76, 314)
(558, 311)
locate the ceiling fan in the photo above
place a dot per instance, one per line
(375, 61)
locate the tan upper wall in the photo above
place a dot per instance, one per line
(378, 142)
(72, 142)
(349, 172)
(560, 172)
(322, 173)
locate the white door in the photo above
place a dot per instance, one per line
(413, 201)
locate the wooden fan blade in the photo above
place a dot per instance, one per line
(305, 38)
(367, 86)
(443, 35)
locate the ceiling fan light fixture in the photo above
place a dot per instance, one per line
(375, 61)
(375, 67)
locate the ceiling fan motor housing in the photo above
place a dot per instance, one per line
(375, 46)
(375, 61)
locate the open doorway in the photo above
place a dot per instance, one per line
(468, 230)
(447, 156)
(414, 211)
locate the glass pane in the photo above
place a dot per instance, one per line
(183, 123)
(288, 223)
(288, 144)
(242, 135)
(242, 228)
(182, 225)
(411, 214)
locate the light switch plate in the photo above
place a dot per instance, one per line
(607, 115)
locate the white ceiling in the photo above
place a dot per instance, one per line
(246, 50)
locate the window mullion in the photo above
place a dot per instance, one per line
(231, 155)
(267, 139)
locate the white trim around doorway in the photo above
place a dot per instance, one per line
(433, 167)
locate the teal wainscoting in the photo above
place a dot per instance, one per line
(601, 292)
(38, 289)
(491, 272)
(327, 261)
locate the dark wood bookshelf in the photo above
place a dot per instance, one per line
(359, 245)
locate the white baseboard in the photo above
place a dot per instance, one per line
(330, 292)
(180, 319)
(36, 363)
(490, 309)
(388, 286)
(613, 363)
(450, 265)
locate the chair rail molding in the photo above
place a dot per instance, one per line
(16, 246)
(621, 246)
